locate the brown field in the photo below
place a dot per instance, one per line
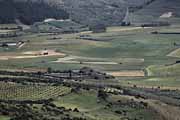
(32, 54)
(134, 73)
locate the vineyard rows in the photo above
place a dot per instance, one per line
(9, 91)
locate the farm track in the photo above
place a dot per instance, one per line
(22, 45)
(175, 53)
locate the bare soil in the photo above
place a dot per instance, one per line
(32, 54)
(127, 73)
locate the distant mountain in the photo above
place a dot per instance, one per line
(88, 12)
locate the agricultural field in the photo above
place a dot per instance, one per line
(4, 118)
(18, 92)
(139, 73)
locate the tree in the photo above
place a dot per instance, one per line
(49, 70)
(4, 45)
(98, 28)
(102, 94)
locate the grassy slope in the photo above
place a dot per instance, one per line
(4, 118)
(86, 102)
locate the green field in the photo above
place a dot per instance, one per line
(127, 47)
(87, 103)
(4, 118)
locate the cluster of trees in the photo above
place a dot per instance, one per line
(156, 24)
(8, 35)
(98, 28)
(83, 73)
(47, 111)
(12, 28)
(102, 94)
(29, 12)
(20, 73)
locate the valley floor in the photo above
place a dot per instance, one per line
(145, 65)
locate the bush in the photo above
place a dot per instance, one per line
(98, 28)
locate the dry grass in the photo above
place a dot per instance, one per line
(32, 54)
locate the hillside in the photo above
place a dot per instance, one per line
(158, 10)
(109, 12)
(28, 12)
(88, 12)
